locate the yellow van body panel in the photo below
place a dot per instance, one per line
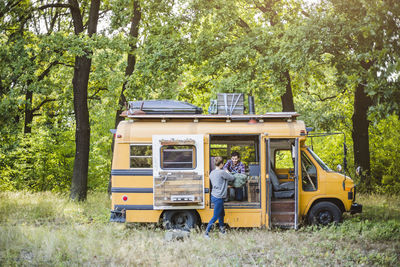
(141, 131)
(132, 181)
(235, 218)
(147, 216)
(133, 198)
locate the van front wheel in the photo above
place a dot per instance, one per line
(179, 219)
(324, 213)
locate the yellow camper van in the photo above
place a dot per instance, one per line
(162, 161)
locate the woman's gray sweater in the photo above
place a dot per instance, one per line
(219, 181)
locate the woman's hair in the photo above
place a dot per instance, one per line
(218, 161)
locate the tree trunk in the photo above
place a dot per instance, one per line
(82, 132)
(80, 89)
(360, 136)
(287, 97)
(28, 112)
(133, 34)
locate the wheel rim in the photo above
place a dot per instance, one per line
(325, 217)
(179, 220)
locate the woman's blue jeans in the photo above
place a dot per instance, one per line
(219, 213)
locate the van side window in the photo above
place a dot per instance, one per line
(178, 157)
(141, 156)
(283, 159)
(308, 173)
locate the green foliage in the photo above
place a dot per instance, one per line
(190, 51)
(385, 155)
(283, 159)
(38, 162)
(330, 150)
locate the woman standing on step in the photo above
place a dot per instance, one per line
(219, 180)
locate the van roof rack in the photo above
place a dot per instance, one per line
(285, 116)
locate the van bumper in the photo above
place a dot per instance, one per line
(355, 208)
(118, 216)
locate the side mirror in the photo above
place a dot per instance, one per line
(359, 171)
(339, 168)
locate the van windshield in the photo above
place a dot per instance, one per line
(320, 162)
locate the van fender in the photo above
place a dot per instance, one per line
(329, 198)
(203, 216)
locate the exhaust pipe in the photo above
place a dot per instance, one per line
(251, 109)
(251, 104)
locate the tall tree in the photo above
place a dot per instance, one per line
(366, 39)
(274, 11)
(243, 43)
(131, 60)
(362, 39)
(80, 89)
(30, 66)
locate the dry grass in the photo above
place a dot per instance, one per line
(46, 229)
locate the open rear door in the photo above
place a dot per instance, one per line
(178, 171)
(296, 156)
(268, 181)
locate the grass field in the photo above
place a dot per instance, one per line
(46, 229)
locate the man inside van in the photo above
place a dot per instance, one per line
(234, 165)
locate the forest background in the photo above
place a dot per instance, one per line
(68, 67)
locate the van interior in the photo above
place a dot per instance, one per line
(281, 170)
(248, 146)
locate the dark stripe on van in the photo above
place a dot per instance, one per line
(133, 207)
(132, 172)
(139, 190)
(131, 190)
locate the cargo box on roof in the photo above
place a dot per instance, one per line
(164, 107)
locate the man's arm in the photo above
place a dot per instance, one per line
(242, 168)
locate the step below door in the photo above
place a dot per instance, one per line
(178, 171)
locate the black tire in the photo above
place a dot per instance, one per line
(324, 213)
(179, 219)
